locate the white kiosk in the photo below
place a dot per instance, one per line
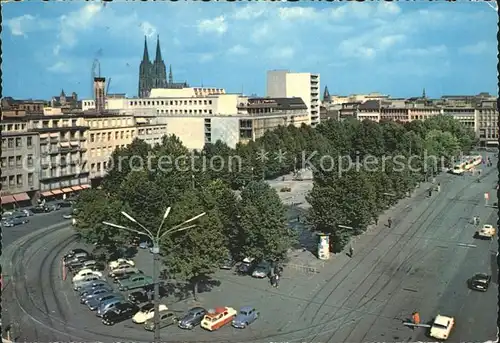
(324, 246)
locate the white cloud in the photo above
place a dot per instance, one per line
(60, 67)
(207, 57)
(148, 29)
(291, 13)
(56, 50)
(248, 12)
(388, 8)
(22, 25)
(389, 41)
(281, 53)
(75, 22)
(424, 52)
(476, 49)
(217, 25)
(238, 50)
(260, 33)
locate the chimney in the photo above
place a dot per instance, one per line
(99, 93)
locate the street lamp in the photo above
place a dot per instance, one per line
(156, 251)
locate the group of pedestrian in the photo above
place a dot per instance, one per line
(276, 276)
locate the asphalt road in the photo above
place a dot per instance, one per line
(10, 234)
(417, 264)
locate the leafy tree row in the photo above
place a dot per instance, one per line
(144, 180)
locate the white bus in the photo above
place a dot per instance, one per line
(467, 163)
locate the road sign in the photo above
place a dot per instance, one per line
(486, 196)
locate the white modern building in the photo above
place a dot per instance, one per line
(285, 84)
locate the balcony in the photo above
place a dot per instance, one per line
(45, 165)
(82, 138)
(44, 141)
(63, 176)
(54, 139)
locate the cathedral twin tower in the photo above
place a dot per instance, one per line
(154, 74)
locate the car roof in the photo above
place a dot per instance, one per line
(196, 309)
(442, 320)
(246, 308)
(147, 306)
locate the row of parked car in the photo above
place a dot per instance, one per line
(20, 216)
(249, 266)
(98, 294)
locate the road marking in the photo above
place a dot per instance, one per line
(410, 290)
(467, 245)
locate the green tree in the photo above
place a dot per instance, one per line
(194, 254)
(262, 223)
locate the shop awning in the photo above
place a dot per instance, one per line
(64, 144)
(7, 199)
(67, 190)
(85, 186)
(57, 191)
(21, 197)
(47, 194)
(76, 188)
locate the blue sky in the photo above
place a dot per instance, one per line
(392, 48)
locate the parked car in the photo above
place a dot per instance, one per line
(480, 282)
(108, 305)
(147, 312)
(245, 267)
(217, 318)
(141, 296)
(94, 285)
(120, 313)
(121, 270)
(262, 270)
(192, 318)
(82, 274)
(65, 204)
(78, 257)
(123, 274)
(120, 262)
(95, 292)
(23, 213)
(228, 263)
(40, 209)
(245, 317)
(11, 222)
(67, 216)
(52, 207)
(167, 318)
(134, 282)
(83, 283)
(93, 303)
(73, 252)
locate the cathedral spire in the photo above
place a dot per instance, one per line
(158, 51)
(145, 57)
(423, 94)
(170, 75)
(326, 94)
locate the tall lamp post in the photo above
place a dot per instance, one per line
(156, 238)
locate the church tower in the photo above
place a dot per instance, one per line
(145, 71)
(159, 76)
(326, 95)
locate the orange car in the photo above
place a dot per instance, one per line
(218, 317)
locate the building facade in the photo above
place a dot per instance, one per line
(284, 84)
(487, 122)
(20, 167)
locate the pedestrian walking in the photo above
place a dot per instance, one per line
(376, 221)
(430, 192)
(298, 219)
(439, 187)
(277, 281)
(389, 222)
(351, 251)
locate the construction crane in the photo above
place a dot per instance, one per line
(107, 87)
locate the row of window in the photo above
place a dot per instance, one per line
(13, 127)
(16, 181)
(185, 111)
(108, 136)
(17, 161)
(55, 123)
(60, 172)
(171, 102)
(105, 123)
(17, 142)
(98, 167)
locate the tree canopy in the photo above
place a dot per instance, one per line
(360, 168)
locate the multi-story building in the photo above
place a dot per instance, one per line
(20, 167)
(369, 110)
(464, 114)
(13, 108)
(487, 122)
(284, 84)
(63, 154)
(65, 102)
(113, 129)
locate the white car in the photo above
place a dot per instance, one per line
(147, 312)
(441, 327)
(487, 231)
(121, 261)
(82, 274)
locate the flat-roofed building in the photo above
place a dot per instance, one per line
(113, 129)
(286, 84)
(20, 163)
(63, 154)
(464, 114)
(487, 123)
(369, 110)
